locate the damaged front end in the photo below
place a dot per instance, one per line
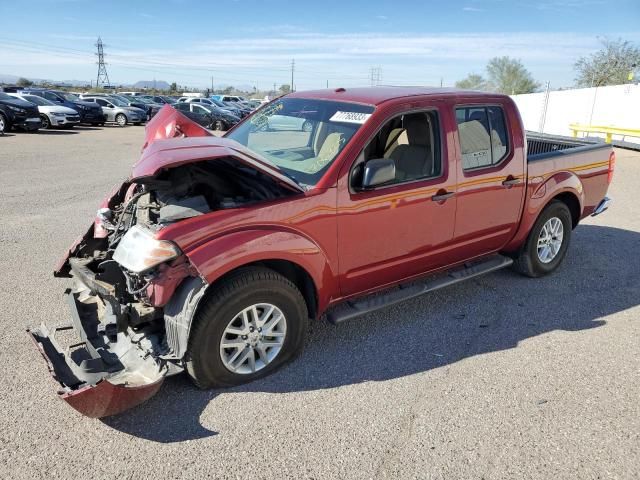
(122, 283)
(134, 295)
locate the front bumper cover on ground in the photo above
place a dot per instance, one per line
(110, 369)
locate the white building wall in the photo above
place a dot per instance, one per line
(617, 106)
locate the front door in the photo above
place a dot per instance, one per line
(400, 229)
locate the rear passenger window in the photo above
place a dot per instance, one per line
(483, 136)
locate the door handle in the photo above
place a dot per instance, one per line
(441, 197)
(511, 181)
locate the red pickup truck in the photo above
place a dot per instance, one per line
(216, 252)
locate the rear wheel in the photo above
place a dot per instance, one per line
(547, 243)
(46, 123)
(4, 126)
(218, 125)
(121, 119)
(251, 324)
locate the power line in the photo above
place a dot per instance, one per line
(103, 76)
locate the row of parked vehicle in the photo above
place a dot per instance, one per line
(33, 108)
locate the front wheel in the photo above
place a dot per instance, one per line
(307, 126)
(218, 125)
(4, 126)
(547, 243)
(248, 326)
(46, 123)
(121, 119)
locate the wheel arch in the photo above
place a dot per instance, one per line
(562, 186)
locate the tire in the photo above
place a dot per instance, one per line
(46, 123)
(223, 306)
(4, 124)
(121, 119)
(218, 125)
(531, 259)
(307, 126)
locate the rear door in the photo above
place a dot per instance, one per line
(491, 178)
(404, 228)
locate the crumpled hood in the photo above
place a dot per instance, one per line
(172, 140)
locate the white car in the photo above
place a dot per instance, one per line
(51, 114)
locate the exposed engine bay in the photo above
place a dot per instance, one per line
(133, 295)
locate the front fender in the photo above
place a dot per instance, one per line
(540, 192)
(221, 255)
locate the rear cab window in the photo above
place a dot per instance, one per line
(483, 136)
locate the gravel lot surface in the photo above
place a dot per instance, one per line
(499, 377)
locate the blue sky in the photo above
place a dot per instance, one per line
(252, 42)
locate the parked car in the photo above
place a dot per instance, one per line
(287, 122)
(89, 112)
(232, 107)
(151, 107)
(51, 114)
(16, 113)
(119, 112)
(214, 103)
(215, 253)
(216, 118)
(255, 103)
(160, 99)
(201, 118)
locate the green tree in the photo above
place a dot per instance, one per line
(173, 87)
(508, 75)
(285, 89)
(473, 81)
(24, 82)
(611, 65)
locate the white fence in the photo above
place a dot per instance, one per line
(552, 112)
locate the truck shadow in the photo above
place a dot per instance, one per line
(481, 316)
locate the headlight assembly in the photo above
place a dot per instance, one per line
(139, 250)
(17, 109)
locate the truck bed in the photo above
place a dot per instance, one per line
(551, 156)
(540, 146)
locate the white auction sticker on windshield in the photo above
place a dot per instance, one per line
(350, 117)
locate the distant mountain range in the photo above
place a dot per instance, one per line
(159, 84)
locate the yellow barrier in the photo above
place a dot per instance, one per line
(608, 131)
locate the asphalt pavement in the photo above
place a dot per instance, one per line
(499, 377)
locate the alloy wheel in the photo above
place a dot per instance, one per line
(550, 239)
(253, 338)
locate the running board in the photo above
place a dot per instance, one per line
(354, 308)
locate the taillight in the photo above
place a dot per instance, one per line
(612, 166)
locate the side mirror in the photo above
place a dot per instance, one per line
(378, 172)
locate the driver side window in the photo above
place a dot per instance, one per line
(411, 142)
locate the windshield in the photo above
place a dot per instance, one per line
(302, 136)
(4, 96)
(217, 102)
(38, 100)
(69, 97)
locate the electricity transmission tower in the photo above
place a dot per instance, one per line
(103, 76)
(376, 76)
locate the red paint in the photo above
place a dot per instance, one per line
(352, 243)
(106, 399)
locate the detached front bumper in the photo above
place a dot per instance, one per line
(111, 368)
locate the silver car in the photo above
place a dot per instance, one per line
(117, 111)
